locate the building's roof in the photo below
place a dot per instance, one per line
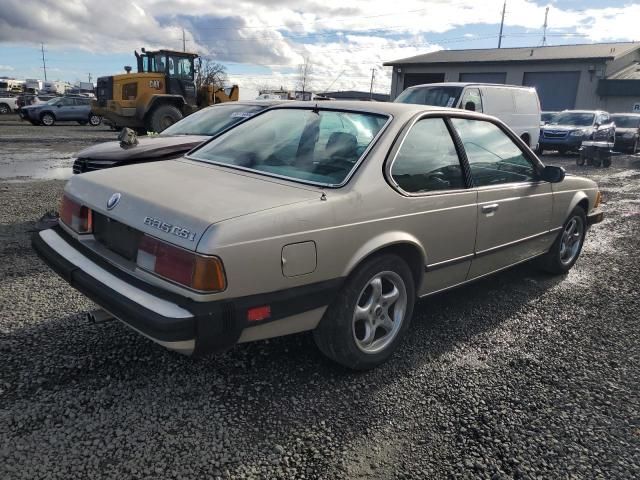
(632, 72)
(357, 95)
(524, 54)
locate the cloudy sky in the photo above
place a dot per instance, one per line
(262, 43)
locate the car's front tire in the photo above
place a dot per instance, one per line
(4, 109)
(369, 317)
(566, 249)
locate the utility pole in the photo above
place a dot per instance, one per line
(89, 77)
(44, 63)
(544, 28)
(373, 76)
(504, 9)
(184, 42)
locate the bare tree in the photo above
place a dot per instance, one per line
(304, 75)
(209, 72)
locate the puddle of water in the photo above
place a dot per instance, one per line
(37, 163)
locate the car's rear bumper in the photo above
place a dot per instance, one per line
(595, 216)
(176, 322)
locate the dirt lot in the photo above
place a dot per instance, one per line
(521, 375)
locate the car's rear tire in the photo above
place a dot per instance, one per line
(94, 120)
(567, 247)
(4, 109)
(162, 117)
(47, 119)
(634, 148)
(367, 320)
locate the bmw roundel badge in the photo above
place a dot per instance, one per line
(113, 201)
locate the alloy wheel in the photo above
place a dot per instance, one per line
(379, 312)
(571, 240)
(47, 120)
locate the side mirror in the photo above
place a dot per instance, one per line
(552, 174)
(597, 125)
(470, 106)
(546, 122)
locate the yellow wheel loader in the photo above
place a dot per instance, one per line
(162, 92)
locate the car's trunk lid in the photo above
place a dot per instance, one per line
(177, 200)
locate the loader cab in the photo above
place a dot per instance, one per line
(178, 68)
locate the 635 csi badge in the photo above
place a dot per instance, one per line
(169, 228)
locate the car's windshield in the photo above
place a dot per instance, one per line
(436, 96)
(211, 121)
(547, 116)
(574, 119)
(626, 121)
(317, 146)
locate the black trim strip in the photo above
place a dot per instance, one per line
(216, 325)
(471, 256)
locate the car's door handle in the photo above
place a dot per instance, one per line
(490, 208)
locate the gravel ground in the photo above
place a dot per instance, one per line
(521, 375)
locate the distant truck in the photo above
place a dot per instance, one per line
(32, 85)
(10, 85)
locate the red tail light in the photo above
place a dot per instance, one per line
(181, 266)
(76, 216)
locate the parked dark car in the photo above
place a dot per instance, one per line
(569, 128)
(63, 109)
(174, 141)
(627, 131)
(546, 117)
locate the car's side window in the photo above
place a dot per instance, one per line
(427, 159)
(493, 157)
(472, 96)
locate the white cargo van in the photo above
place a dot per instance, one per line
(518, 107)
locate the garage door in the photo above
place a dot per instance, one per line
(411, 79)
(557, 90)
(481, 77)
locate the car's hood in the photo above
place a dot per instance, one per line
(147, 147)
(564, 128)
(182, 193)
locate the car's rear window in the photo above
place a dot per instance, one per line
(309, 145)
(212, 120)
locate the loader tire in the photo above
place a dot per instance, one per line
(163, 116)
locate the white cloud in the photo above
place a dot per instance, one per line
(350, 38)
(6, 68)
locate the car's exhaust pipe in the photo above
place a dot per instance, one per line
(99, 316)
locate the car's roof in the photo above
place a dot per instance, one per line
(474, 84)
(623, 114)
(582, 111)
(251, 103)
(385, 108)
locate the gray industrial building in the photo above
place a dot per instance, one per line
(595, 76)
